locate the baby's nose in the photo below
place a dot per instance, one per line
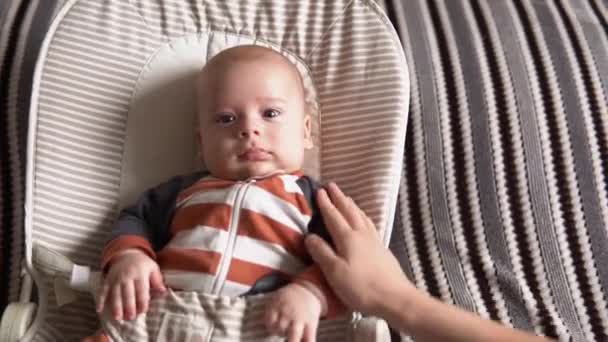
(248, 134)
(248, 129)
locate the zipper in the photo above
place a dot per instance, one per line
(232, 234)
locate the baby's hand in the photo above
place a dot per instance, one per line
(294, 313)
(126, 287)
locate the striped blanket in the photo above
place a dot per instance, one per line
(503, 203)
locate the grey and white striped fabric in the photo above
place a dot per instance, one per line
(503, 204)
(201, 317)
(23, 25)
(87, 74)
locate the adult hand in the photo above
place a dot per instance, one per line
(362, 272)
(368, 278)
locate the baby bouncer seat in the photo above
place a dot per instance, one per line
(112, 114)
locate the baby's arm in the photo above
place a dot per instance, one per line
(128, 258)
(130, 270)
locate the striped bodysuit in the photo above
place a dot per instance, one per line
(222, 236)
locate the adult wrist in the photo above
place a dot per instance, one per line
(403, 310)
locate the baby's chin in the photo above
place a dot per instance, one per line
(254, 171)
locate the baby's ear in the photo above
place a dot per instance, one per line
(308, 144)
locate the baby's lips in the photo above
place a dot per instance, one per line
(254, 154)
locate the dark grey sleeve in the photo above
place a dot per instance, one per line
(150, 217)
(316, 225)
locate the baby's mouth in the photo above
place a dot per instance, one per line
(254, 154)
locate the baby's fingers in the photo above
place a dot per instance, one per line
(102, 295)
(142, 293)
(279, 327)
(271, 319)
(116, 298)
(282, 326)
(310, 333)
(295, 332)
(128, 300)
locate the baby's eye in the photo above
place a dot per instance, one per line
(225, 118)
(271, 113)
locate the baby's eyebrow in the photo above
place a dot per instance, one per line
(270, 99)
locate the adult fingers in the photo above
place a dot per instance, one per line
(369, 224)
(365, 223)
(346, 206)
(355, 215)
(321, 253)
(334, 221)
(295, 332)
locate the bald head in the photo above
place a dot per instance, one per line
(246, 53)
(217, 66)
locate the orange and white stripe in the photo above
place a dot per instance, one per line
(272, 217)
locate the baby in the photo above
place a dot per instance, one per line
(239, 229)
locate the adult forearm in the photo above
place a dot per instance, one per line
(428, 319)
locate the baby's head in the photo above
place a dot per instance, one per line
(253, 117)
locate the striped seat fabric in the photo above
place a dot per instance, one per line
(89, 69)
(23, 25)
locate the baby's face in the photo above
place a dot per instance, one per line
(252, 119)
